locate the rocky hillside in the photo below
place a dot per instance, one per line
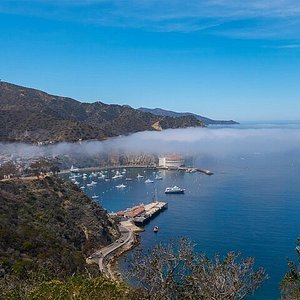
(29, 115)
(49, 224)
(168, 113)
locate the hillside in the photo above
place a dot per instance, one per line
(29, 115)
(49, 224)
(206, 121)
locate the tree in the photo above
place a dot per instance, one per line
(8, 169)
(228, 278)
(54, 169)
(176, 271)
(40, 166)
(290, 284)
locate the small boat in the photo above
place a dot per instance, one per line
(139, 176)
(174, 190)
(128, 179)
(157, 177)
(82, 187)
(95, 196)
(94, 182)
(76, 182)
(155, 229)
(297, 249)
(117, 176)
(74, 170)
(149, 181)
(191, 170)
(121, 186)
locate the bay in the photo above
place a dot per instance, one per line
(251, 205)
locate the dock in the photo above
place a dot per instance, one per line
(142, 213)
(151, 210)
(188, 170)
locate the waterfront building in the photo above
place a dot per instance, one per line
(171, 161)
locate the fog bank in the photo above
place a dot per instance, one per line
(192, 141)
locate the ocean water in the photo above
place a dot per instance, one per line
(251, 205)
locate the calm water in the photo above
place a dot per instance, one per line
(251, 204)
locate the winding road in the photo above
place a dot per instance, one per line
(102, 256)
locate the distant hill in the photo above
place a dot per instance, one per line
(30, 115)
(206, 121)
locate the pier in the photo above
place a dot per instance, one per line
(151, 210)
(142, 213)
(187, 170)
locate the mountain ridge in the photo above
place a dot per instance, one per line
(33, 116)
(169, 113)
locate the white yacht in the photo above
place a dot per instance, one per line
(174, 190)
(73, 169)
(121, 186)
(149, 181)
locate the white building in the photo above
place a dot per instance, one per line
(171, 161)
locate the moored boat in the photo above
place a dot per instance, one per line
(149, 181)
(155, 229)
(174, 190)
(121, 186)
(74, 170)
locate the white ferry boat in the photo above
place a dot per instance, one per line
(174, 190)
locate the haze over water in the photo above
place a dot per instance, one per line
(251, 205)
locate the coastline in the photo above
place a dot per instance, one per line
(113, 263)
(107, 257)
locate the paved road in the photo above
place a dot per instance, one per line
(102, 256)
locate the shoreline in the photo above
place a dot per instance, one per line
(90, 169)
(113, 263)
(107, 257)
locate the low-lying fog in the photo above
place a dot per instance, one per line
(207, 141)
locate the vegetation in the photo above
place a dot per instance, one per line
(33, 116)
(79, 288)
(8, 169)
(175, 271)
(290, 285)
(47, 229)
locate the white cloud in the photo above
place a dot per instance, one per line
(171, 15)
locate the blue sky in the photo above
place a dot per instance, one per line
(222, 59)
